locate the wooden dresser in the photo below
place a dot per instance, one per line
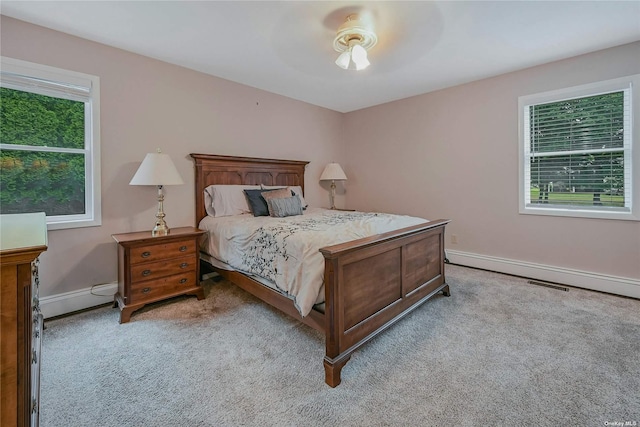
(23, 238)
(152, 268)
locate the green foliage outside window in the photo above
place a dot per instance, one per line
(588, 135)
(33, 180)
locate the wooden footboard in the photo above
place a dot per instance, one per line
(372, 283)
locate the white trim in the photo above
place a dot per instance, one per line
(68, 302)
(56, 82)
(630, 85)
(580, 279)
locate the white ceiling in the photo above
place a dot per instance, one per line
(285, 47)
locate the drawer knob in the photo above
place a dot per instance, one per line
(146, 272)
(183, 280)
(183, 248)
(146, 254)
(184, 265)
(146, 290)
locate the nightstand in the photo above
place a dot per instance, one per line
(152, 268)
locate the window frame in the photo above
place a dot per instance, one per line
(631, 155)
(88, 92)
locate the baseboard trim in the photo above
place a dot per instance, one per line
(577, 278)
(68, 302)
(60, 304)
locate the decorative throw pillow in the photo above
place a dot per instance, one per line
(297, 191)
(277, 194)
(257, 203)
(288, 206)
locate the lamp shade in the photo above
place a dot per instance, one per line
(333, 172)
(359, 57)
(343, 60)
(157, 169)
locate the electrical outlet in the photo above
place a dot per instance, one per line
(454, 239)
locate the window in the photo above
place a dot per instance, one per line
(576, 154)
(49, 144)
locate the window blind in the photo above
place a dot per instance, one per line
(75, 92)
(578, 152)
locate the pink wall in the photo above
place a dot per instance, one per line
(147, 104)
(454, 154)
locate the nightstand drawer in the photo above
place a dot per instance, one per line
(158, 269)
(161, 288)
(162, 251)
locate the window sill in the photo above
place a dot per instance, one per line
(62, 225)
(580, 213)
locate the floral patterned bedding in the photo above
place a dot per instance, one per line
(285, 251)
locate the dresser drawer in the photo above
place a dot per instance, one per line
(157, 289)
(162, 251)
(158, 269)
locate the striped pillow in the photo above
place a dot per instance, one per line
(288, 206)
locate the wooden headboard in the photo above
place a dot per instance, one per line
(213, 169)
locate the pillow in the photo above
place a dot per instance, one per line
(282, 207)
(277, 194)
(208, 201)
(257, 203)
(226, 200)
(297, 190)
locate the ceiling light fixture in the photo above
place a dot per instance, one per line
(353, 39)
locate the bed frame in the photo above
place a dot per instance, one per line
(370, 283)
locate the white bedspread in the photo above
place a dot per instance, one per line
(285, 251)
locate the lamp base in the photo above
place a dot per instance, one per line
(161, 228)
(332, 198)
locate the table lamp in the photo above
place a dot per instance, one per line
(333, 172)
(157, 169)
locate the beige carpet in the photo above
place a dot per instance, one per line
(498, 352)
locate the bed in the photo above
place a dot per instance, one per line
(402, 269)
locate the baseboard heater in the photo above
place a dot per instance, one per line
(548, 285)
